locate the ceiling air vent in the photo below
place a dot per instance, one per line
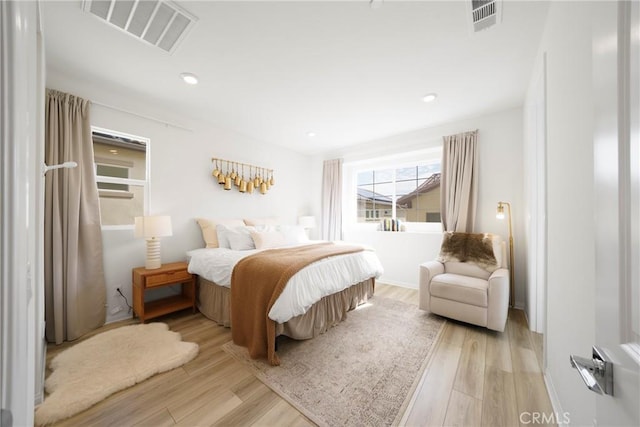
(158, 22)
(485, 14)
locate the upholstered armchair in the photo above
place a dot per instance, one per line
(468, 281)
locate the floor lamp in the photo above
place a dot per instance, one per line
(500, 215)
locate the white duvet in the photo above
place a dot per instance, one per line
(305, 288)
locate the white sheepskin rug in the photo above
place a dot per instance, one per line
(93, 369)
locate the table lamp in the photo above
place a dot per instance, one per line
(307, 222)
(152, 228)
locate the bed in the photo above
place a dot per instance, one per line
(314, 299)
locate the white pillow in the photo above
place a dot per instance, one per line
(261, 221)
(239, 238)
(293, 234)
(210, 232)
(223, 236)
(262, 227)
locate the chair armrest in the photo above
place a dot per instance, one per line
(428, 271)
(498, 304)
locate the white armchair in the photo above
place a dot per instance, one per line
(462, 290)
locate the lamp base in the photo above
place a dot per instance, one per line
(153, 254)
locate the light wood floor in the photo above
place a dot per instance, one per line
(476, 377)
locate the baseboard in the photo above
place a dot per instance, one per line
(555, 402)
(119, 319)
(397, 283)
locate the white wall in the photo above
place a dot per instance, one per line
(400, 253)
(500, 178)
(181, 184)
(570, 239)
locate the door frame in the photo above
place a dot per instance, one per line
(536, 149)
(20, 186)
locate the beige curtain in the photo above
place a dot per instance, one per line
(332, 200)
(74, 276)
(459, 182)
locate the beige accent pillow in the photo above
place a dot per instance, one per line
(261, 221)
(497, 250)
(208, 228)
(268, 239)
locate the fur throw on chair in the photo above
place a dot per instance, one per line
(468, 247)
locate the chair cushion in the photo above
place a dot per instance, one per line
(466, 269)
(464, 289)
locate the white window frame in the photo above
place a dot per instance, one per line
(108, 192)
(144, 183)
(350, 187)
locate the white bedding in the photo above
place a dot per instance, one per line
(305, 288)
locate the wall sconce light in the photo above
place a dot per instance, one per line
(500, 215)
(152, 228)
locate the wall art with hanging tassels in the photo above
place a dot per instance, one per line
(242, 175)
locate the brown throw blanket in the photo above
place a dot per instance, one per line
(257, 281)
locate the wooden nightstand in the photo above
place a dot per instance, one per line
(168, 274)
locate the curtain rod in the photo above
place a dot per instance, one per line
(153, 119)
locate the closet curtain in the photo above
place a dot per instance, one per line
(332, 200)
(74, 275)
(459, 182)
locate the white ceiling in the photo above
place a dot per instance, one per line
(278, 70)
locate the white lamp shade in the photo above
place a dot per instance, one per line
(307, 222)
(152, 226)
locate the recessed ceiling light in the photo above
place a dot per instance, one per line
(430, 97)
(113, 151)
(189, 78)
(311, 134)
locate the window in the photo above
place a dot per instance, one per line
(375, 194)
(114, 172)
(409, 192)
(433, 217)
(121, 166)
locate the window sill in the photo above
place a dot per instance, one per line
(408, 232)
(409, 227)
(117, 227)
(115, 194)
(394, 232)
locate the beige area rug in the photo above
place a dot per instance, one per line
(95, 368)
(361, 372)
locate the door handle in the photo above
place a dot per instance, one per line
(597, 372)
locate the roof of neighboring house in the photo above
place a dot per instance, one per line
(364, 194)
(429, 184)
